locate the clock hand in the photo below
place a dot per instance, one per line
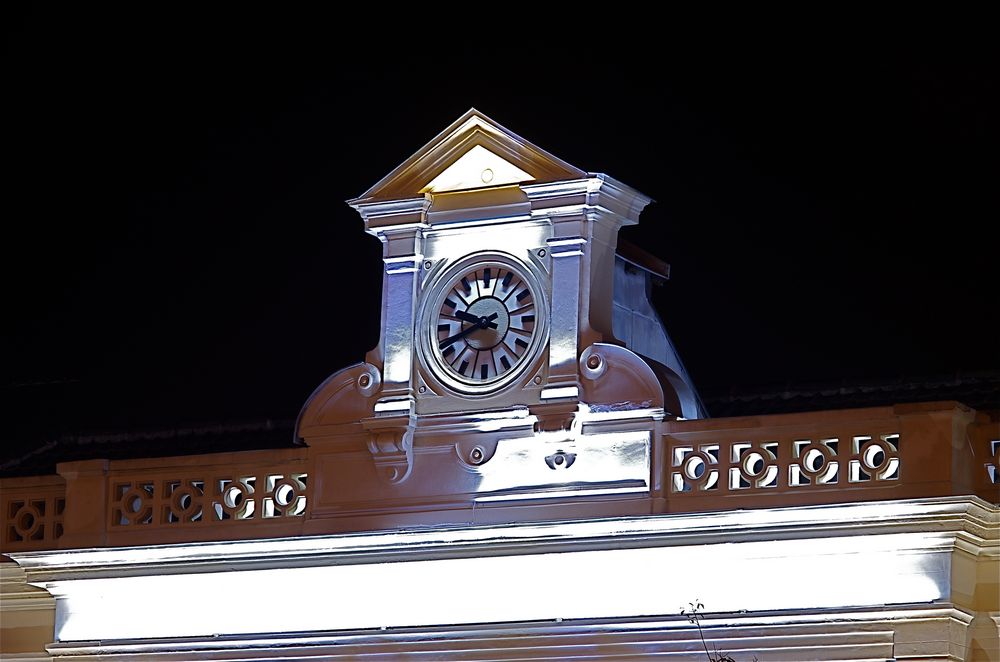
(480, 323)
(472, 319)
(458, 336)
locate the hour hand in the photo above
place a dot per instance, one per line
(481, 322)
(466, 317)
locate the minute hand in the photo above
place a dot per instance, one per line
(481, 323)
(458, 336)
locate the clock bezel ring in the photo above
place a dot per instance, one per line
(437, 288)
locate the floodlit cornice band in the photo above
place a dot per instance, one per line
(595, 192)
(529, 634)
(942, 521)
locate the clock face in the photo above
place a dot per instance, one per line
(486, 324)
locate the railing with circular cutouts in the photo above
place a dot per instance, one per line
(792, 464)
(168, 501)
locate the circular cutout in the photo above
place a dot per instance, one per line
(813, 461)
(695, 466)
(874, 456)
(26, 522)
(234, 495)
(133, 503)
(284, 495)
(753, 464)
(183, 500)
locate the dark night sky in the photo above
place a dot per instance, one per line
(177, 249)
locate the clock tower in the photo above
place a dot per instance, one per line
(498, 377)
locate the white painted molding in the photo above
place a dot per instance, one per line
(854, 556)
(790, 636)
(946, 519)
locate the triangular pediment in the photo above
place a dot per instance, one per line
(477, 168)
(473, 153)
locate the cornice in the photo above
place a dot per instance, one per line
(17, 595)
(798, 630)
(595, 193)
(938, 524)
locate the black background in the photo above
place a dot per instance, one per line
(177, 250)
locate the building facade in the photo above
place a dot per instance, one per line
(521, 469)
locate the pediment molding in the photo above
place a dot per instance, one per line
(473, 129)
